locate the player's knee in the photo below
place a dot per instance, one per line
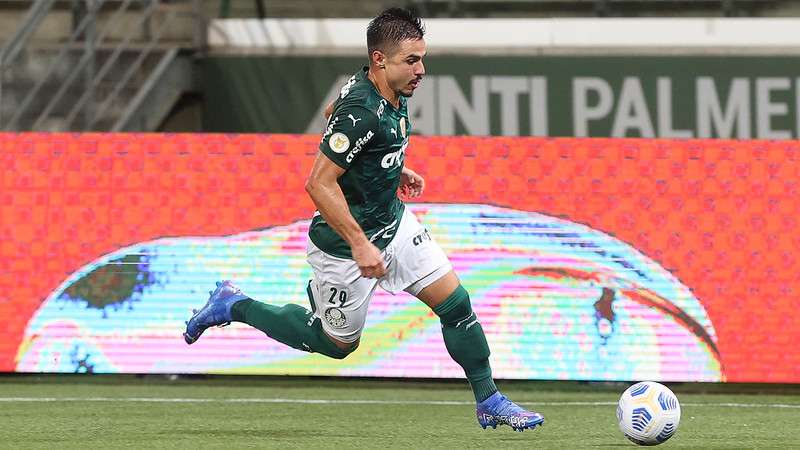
(347, 351)
(455, 308)
(343, 349)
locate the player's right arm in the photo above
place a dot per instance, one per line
(338, 149)
(329, 200)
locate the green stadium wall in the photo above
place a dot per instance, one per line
(738, 97)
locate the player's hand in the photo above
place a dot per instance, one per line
(369, 260)
(411, 183)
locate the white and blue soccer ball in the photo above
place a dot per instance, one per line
(648, 413)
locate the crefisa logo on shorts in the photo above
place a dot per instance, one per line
(335, 317)
(422, 237)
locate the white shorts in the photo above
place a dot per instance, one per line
(340, 295)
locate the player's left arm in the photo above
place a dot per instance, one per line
(411, 183)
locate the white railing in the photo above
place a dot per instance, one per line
(101, 63)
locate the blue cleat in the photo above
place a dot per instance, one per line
(498, 410)
(216, 312)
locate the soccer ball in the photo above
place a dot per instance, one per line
(648, 413)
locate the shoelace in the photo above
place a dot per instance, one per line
(507, 407)
(206, 314)
(211, 313)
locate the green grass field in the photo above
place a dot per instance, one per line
(243, 412)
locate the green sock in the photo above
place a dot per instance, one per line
(291, 324)
(466, 343)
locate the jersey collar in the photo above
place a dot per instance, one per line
(363, 74)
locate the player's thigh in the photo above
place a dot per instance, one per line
(416, 260)
(339, 295)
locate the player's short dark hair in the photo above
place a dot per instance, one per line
(391, 27)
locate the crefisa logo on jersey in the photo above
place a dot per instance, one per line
(359, 145)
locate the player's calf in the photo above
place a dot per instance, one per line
(290, 324)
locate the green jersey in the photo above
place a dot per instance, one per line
(367, 137)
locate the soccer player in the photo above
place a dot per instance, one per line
(363, 236)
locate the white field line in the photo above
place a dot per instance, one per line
(348, 402)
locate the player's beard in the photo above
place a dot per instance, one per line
(410, 91)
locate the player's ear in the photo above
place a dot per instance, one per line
(378, 58)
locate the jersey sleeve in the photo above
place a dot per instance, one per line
(350, 129)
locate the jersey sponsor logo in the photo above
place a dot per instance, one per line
(339, 142)
(359, 145)
(395, 158)
(394, 132)
(350, 116)
(335, 318)
(346, 88)
(422, 237)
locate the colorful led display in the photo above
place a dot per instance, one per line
(590, 259)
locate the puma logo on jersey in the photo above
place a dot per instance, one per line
(350, 116)
(394, 132)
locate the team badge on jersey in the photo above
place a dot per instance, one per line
(403, 126)
(335, 317)
(339, 142)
